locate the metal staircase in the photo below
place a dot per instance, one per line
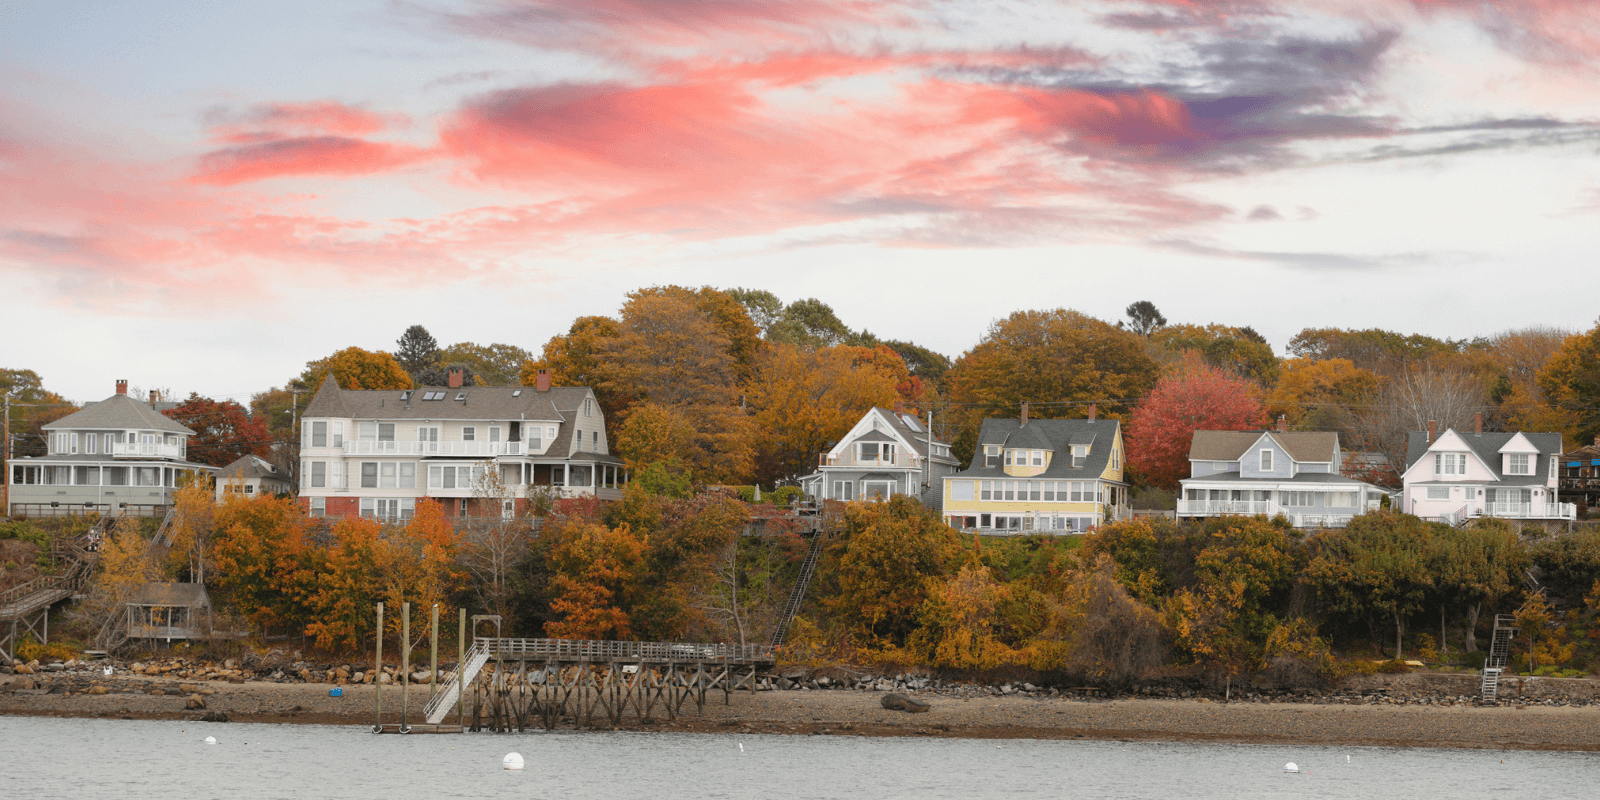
(439, 707)
(798, 595)
(1505, 629)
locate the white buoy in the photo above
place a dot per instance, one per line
(1290, 767)
(211, 740)
(512, 761)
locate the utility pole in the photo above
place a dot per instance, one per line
(5, 480)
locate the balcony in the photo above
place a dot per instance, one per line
(138, 450)
(1215, 508)
(1531, 510)
(898, 461)
(429, 449)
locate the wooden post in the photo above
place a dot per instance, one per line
(433, 664)
(405, 664)
(461, 668)
(377, 678)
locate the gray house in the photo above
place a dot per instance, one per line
(887, 453)
(1270, 473)
(251, 476)
(117, 456)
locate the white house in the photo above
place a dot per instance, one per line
(888, 452)
(1456, 476)
(1294, 473)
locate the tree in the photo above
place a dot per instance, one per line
(1193, 397)
(744, 342)
(1223, 347)
(961, 625)
(1441, 392)
(494, 546)
(652, 433)
(194, 518)
(811, 323)
(354, 368)
(439, 375)
(33, 406)
(492, 364)
(1380, 351)
(924, 364)
(1474, 566)
(1571, 381)
(1378, 564)
(1048, 357)
(889, 562)
(1320, 394)
(807, 399)
(348, 583)
(260, 552)
(1143, 318)
(416, 350)
(598, 573)
(764, 307)
(1098, 631)
(668, 352)
(224, 433)
(574, 359)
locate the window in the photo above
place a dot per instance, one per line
(1079, 453)
(89, 443)
(1008, 458)
(594, 441)
(961, 490)
(991, 453)
(319, 434)
(1049, 491)
(1033, 490)
(385, 475)
(1038, 458)
(868, 451)
(1438, 493)
(469, 433)
(408, 476)
(1519, 464)
(844, 490)
(1266, 460)
(588, 406)
(986, 490)
(1300, 499)
(1449, 463)
(428, 436)
(388, 507)
(319, 474)
(1010, 490)
(319, 506)
(369, 474)
(494, 433)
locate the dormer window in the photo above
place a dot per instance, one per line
(991, 454)
(1008, 458)
(1266, 460)
(1519, 464)
(1038, 458)
(1449, 463)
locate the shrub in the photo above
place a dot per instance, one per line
(1394, 666)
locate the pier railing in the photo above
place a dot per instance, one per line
(630, 652)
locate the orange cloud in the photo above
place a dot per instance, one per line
(316, 155)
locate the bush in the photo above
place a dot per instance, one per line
(1474, 660)
(26, 531)
(1394, 666)
(784, 495)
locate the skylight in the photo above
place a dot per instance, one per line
(517, 393)
(911, 422)
(461, 396)
(433, 395)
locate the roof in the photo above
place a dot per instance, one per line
(112, 461)
(1231, 445)
(1030, 437)
(247, 467)
(119, 411)
(873, 436)
(186, 595)
(918, 436)
(477, 403)
(1487, 445)
(1057, 435)
(1301, 477)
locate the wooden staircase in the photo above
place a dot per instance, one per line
(25, 609)
(1505, 629)
(798, 594)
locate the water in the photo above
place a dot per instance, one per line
(43, 757)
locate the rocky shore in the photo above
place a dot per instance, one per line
(1416, 710)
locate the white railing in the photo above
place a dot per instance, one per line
(901, 460)
(139, 450)
(1531, 510)
(1195, 508)
(368, 447)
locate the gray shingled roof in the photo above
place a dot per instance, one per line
(118, 411)
(182, 595)
(918, 439)
(1031, 437)
(1059, 434)
(480, 402)
(1299, 477)
(247, 467)
(1231, 445)
(1487, 446)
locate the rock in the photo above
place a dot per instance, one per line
(195, 702)
(71, 662)
(96, 689)
(188, 687)
(359, 677)
(1028, 687)
(387, 678)
(305, 675)
(214, 716)
(824, 682)
(23, 669)
(421, 677)
(894, 701)
(230, 664)
(794, 673)
(25, 683)
(342, 673)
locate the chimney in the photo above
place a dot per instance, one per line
(122, 386)
(455, 378)
(1433, 428)
(1283, 423)
(153, 397)
(1024, 413)
(1477, 424)
(899, 406)
(1092, 411)
(542, 383)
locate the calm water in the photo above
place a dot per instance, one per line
(45, 758)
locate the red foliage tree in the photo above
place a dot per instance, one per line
(224, 431)
(1193, 397)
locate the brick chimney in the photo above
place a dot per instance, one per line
(122, 386)
(542, 382)
(153, 396)
(899, 406)
(1093, 409)
(455, 378)
(1433, 430)
(1024, 413)
(1477, 424)
(1283, 423)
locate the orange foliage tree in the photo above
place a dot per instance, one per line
(260, 553)
(355, 368)
(806, 399)
(598, 572)
(348, 582)
(1194, 397)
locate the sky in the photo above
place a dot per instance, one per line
(203, 196)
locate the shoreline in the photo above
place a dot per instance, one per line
(856, 713)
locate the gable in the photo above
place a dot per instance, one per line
(1519, 444)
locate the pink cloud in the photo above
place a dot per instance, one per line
(299, 139)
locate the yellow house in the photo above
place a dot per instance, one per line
(1042, 475)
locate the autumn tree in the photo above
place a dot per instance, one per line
(354, 368)
(1222, 346)
(224, 432)
(763, 307)
(652, 433)
(348, 584)
(960, 624)
(1321, 394)
(416, 350)
(1443, 392)
(742, 338)
(574, 359)
(1097, 630)
(493, 547)
(887, 564)
(193, 520)
(597, 577)
(924, 364)
(805, 399)
(1048, 357)
(1380, 351)
(493, 364)
(32, 407)
(259, 550)
(1472, 567)
(420, 566)
(1193, 397)
(1571, 382)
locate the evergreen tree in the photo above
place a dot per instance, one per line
(418, 350)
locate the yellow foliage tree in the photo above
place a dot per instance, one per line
(348, 584)
(355, 368)
(960, 623)
(653, 433)
(1315, 393)
(805, 399)
(597, 580)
